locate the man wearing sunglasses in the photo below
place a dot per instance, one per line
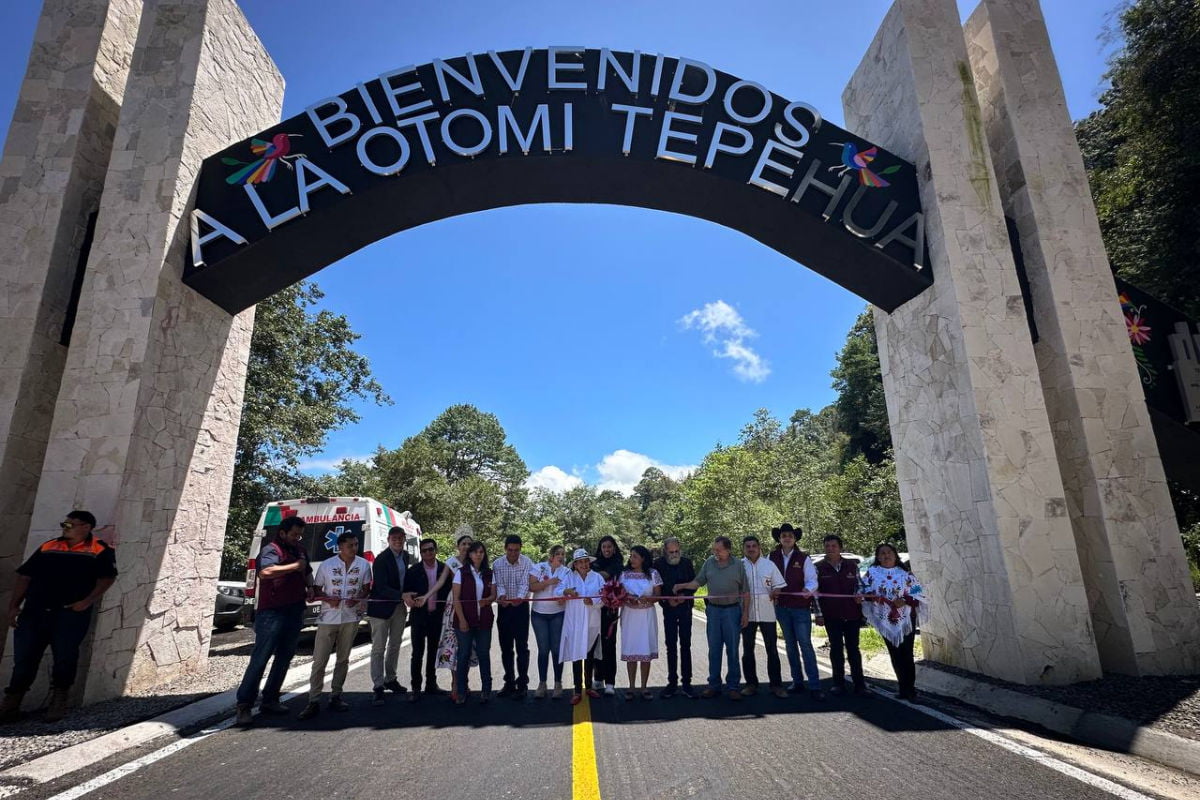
(51, 607)
(425, 619)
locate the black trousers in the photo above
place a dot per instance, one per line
(583, 670)
(425, 628)
(513, 626)
(843, 646)
(608, 646)
(749, 668)
(904, 666)
(677, 623)
(60, 629)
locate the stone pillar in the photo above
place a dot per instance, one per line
(146, 420)
(1142, 604)
(984, 505)
(50, 179)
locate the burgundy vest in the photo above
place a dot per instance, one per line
(284, 590)
(793, 576)
(476, 617)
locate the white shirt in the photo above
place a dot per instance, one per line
(512, 580)
(478, 585)
(334, 579)
(544, 571)
(763, 577)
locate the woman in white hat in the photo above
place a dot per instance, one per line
(580, 643)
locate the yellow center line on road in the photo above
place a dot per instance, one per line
(586, 780)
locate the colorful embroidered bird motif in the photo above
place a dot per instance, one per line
(276, 151)
(854, 160)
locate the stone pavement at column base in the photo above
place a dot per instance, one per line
(1156, 718)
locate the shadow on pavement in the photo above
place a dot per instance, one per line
(439, 712)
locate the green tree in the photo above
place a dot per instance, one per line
(861, 409)
(1140, 150)
(652, 496)
(303, 380)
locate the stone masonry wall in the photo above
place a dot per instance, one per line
(146, 420)
(983, 502)
(1142, 604)
(51, 174)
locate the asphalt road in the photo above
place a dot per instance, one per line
(761, 747)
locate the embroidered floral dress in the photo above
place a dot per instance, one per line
(447, 652)
(884, 584)
(639, 626)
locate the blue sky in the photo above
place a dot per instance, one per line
(584, 327)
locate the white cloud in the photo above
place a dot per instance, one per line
(330, 464)
(723, 327)
(621, 470)
(553, 479)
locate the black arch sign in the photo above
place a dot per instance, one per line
(554, 125)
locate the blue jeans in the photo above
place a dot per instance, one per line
(547, 629)
(276, 631)
(481, 640)
(724, 629)
(797, 634)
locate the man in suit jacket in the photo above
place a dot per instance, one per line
(388, 614)
(426, 618)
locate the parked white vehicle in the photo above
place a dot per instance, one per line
(326, 518)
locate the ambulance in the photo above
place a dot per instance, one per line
(325, 519)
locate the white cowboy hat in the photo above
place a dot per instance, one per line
(581, 554)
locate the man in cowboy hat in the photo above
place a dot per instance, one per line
(795, 611)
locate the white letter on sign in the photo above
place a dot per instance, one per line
(393, 92)
(667, 134)
(710, 82)
(322, 124)
(219, 231)
(507, 122)
(764, 161)
(716, 146)
(304, 188)
(369, 164)
(553, 67)
(631, 115)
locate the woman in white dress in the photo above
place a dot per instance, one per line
(639, 619)
(580, 643)
(546, 616)
(447, 657)
(894, 604)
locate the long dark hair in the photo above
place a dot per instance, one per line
(616, 548)
(485, 567)
(645, 554)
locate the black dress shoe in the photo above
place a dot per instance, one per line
(838, 690)
(434, 691)
(688, 692)
(508, 690)
(668, 692)
(394, 686)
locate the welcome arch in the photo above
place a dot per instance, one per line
(1034, 498)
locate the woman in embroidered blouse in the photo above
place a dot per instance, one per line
(894, 604)
(447, 657)
(580, 644)
(639, 618)
(547, 617)
(474, 594)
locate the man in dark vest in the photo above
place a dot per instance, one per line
(795, 613)
(284, 586)
(841, 616)
(51, 606)
(425, 620)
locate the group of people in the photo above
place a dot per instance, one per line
(578, 617)
(450, 608)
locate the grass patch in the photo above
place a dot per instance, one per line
(701, 593)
